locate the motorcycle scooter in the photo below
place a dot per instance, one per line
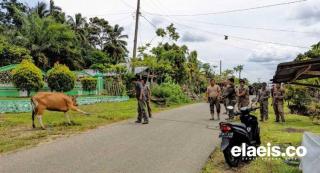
(232, 134)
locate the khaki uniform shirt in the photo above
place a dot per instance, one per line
(244, 98)
(263, 95)
(279, 93)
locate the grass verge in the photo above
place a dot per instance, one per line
(289, 133)
(16, 130)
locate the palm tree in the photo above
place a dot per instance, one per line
(115, 44)
(53, 8)
(41, 9)
(78, 24)
(239, 69)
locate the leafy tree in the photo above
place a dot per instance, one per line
(313, 53)
(12, 54)
(60, 78)
(12, 13)
(98, 32)
(208, 70)
(97, 57)
(26, 76)
(119, 70)
(50, 42)
(169, 31)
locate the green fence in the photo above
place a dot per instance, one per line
(7, 106)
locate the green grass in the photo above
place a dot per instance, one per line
(289, 133)
(16, 128)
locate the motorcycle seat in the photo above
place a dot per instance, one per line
(240, 125)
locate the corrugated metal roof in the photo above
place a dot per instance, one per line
(296, 70)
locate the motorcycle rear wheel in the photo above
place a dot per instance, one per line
(231, 160)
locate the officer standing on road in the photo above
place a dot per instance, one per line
(278, 102)
(222, 99)
(213, 95)
(263, 96)
(243, 95)
(230, 96)
(147, 93)
(141, 101)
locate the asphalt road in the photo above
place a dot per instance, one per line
(175, 141)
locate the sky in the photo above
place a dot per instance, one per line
(205, 33)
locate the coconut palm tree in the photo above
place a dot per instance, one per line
(115, 44)
(238, 69)
(41, 9)
(78, 24)
(53, 8)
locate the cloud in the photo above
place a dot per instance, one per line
(270, 56)
(190, 37)
(157, 21)
(308, 14)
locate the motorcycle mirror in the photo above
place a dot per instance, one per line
(230, 107)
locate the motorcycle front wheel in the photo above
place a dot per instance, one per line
(230, 159)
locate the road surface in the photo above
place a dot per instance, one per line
(175, 141)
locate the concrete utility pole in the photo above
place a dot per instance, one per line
(134, 55)
(220, 67)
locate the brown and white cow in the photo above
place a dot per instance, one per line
(52, 101)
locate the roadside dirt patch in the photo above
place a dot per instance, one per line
(293, 130)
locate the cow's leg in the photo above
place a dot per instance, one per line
(68, 118)
(40, 121)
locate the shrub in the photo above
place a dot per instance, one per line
(27, 76)
(299, 98)
(171, 92)
(61, 79)
(89, 83)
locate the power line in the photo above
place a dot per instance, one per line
(109, 14)
(241, 38)
(153, 25)
(254, 28)
(230, 11)
(127, 4)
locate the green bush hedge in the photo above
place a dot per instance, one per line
(27, 76)
(171, 92)
(60, 78)
(89, 83)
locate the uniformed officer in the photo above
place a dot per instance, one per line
(213, 95)
(243, 95)
(141, 101)
(222, 99)
(278, 102)
(230, 96)
(147, 93)
(263, 96)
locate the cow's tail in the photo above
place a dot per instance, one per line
(33, 108)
